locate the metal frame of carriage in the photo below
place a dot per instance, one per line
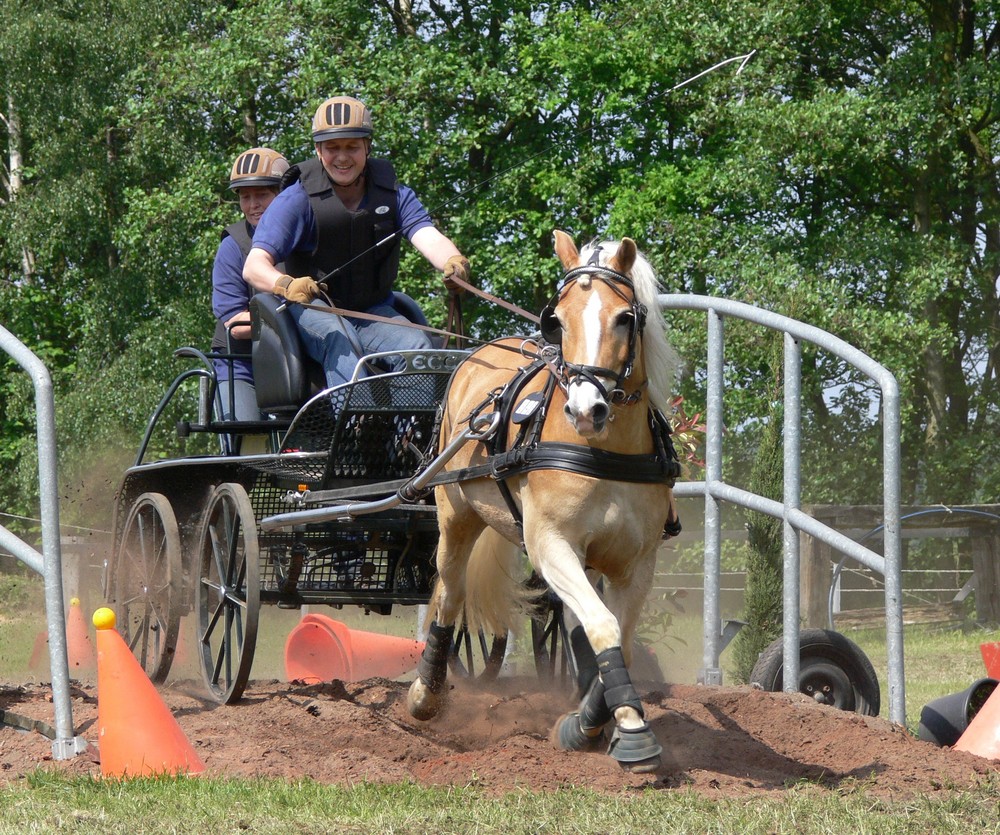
(222, 535)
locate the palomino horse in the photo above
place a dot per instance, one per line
(585, 487)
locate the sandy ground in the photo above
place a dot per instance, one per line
(718, 741)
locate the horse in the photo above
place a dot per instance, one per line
(585, 485)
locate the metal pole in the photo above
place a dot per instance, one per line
(65, 744)
(893, 551)
(791, 497)
(713, 489)
(711, 622)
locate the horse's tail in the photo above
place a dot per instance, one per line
(496, 598)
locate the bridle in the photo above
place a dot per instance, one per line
(572, 373)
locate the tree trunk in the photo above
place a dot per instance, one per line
(15, 162)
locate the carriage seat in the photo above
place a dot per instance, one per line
(285, 377)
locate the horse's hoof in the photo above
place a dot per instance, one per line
(636, 750)
(422, 702)
(569, 736)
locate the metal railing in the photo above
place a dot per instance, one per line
(49, 562)
(714, 489)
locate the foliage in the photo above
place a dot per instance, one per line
(845, 177)
(762, 610)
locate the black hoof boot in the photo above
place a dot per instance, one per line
(569, 736)
(636, 750)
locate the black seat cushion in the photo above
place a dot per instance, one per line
(285, 377)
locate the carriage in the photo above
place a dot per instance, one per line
(206, 534)
(338, 509)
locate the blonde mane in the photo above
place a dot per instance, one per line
(660, 359)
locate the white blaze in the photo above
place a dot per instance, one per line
(583, 395)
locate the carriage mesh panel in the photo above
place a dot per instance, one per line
(378, 428)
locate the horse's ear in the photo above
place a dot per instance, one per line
(624, 258)
(566, 250)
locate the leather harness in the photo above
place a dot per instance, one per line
(527, 453)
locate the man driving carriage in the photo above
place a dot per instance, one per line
(256, 179)
(336, 227)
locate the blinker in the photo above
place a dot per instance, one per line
(551, 326)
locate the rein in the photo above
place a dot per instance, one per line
(455, 329)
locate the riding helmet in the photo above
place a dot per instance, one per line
(258, 167)
(342, 117)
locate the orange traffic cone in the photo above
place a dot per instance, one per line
(137, 733)
(79, 649)
(320, 648)
(39, 651)
(982, 736)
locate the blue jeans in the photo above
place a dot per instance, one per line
(327, 338)
(245, 397)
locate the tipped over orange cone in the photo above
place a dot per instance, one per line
(137, 733)
(320, 648)
(79, 649)
(982, 736)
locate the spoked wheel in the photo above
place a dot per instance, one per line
(480, 656)
(832, 669)
(147, 584)
(228, 592)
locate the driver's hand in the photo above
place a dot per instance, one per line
(300, 290)
(458, 267)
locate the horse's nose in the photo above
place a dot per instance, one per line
(596, 416)
(600, 413)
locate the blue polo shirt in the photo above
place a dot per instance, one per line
(230, 295)
(288, 225)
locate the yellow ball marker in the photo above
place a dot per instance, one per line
(104, 618)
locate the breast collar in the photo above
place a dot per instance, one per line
(526, 452)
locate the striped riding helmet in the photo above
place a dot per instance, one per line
(258, 167)
(341, 117)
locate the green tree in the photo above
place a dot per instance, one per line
(844, 177)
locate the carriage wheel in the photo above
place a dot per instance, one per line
(479, 657)
(228, 592)
(832, 669)
(147, 584)
(550, 643)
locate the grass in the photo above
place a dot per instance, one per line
(938, 661)
(45, 804)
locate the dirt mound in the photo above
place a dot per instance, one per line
(717, 740)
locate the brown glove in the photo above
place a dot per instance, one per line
(457, 266)
(301, 290)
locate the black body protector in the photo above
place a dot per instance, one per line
(357, 253)
(242, 233)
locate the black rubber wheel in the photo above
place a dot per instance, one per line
(147, 581)
(832, 669)
(479, 658)
(228, 592)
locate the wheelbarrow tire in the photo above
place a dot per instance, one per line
(832, 669)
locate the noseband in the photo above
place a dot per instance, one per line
(568, 372)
